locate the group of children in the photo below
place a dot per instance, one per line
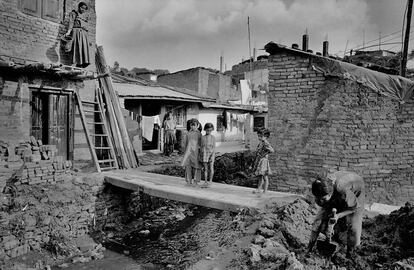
(200, 153)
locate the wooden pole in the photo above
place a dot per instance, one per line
(406, 39)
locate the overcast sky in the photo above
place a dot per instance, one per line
(180, 34)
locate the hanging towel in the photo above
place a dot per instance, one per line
(147, 127)
(246, 92)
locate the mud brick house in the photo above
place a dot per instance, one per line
(150, 101)
(146, 103)
(204, 81)
(329, 115)
(37, 79)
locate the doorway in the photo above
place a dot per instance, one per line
(52, 121)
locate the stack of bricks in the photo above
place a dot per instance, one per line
(45, 171)
(322, 123)
(33, 162)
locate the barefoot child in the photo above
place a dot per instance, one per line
(191, 160)
(208, 151)
(261, 164)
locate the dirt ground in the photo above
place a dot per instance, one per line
(387, 241)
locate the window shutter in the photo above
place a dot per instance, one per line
(32, 7)
(52, 10)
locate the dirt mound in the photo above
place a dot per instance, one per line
(387, 241)
(389, 238)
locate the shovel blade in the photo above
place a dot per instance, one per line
(327, 248)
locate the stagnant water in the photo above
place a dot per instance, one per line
(170, 240)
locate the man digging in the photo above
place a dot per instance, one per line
(345, 192)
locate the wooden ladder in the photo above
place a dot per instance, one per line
(99, 142)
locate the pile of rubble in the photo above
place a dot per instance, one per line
(47, 216)
(282, 235)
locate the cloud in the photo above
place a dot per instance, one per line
(178, 34)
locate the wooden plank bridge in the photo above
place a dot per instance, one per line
(218, 196)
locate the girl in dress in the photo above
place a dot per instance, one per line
(208, 151)
(261, 165)
(191, 160)
(76, 37)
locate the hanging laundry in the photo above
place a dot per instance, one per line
(148, 126)
(241, 118)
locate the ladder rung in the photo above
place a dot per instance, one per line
(102, 147)
(100, 135)
(96, 123)
(106, 160)
(90, 111)
(108, 168)
(89, 102)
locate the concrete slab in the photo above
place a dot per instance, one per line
(218, 196)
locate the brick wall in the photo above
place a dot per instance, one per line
(32, 38)
(204, 82)
(188, 79)
(15, 109)
(320, 123)
(238, 70)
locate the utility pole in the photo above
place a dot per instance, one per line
(406, 39)
(248, 35)
(346, 47)
(363, 38)
(379, 41)
(250, 47)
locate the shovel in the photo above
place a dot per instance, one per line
(328, 247)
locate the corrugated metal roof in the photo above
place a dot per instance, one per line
(143, 89)
(151, 92)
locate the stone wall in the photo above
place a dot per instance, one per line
(322, 123)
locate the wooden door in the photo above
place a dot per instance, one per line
(58, 123)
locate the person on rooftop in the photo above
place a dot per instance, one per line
(76, 39)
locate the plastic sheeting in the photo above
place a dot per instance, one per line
(395, 87)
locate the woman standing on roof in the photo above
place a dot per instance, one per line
(169, 138)
(76, 37)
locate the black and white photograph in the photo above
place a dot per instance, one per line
(206, 135)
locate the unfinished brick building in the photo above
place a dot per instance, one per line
(328, 115)
(36, 91)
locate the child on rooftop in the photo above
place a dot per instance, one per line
(191, 160)
(261, 165)
(208, 151)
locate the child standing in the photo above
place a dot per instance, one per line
(261, 164)
(191, 160)
(208, 151)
